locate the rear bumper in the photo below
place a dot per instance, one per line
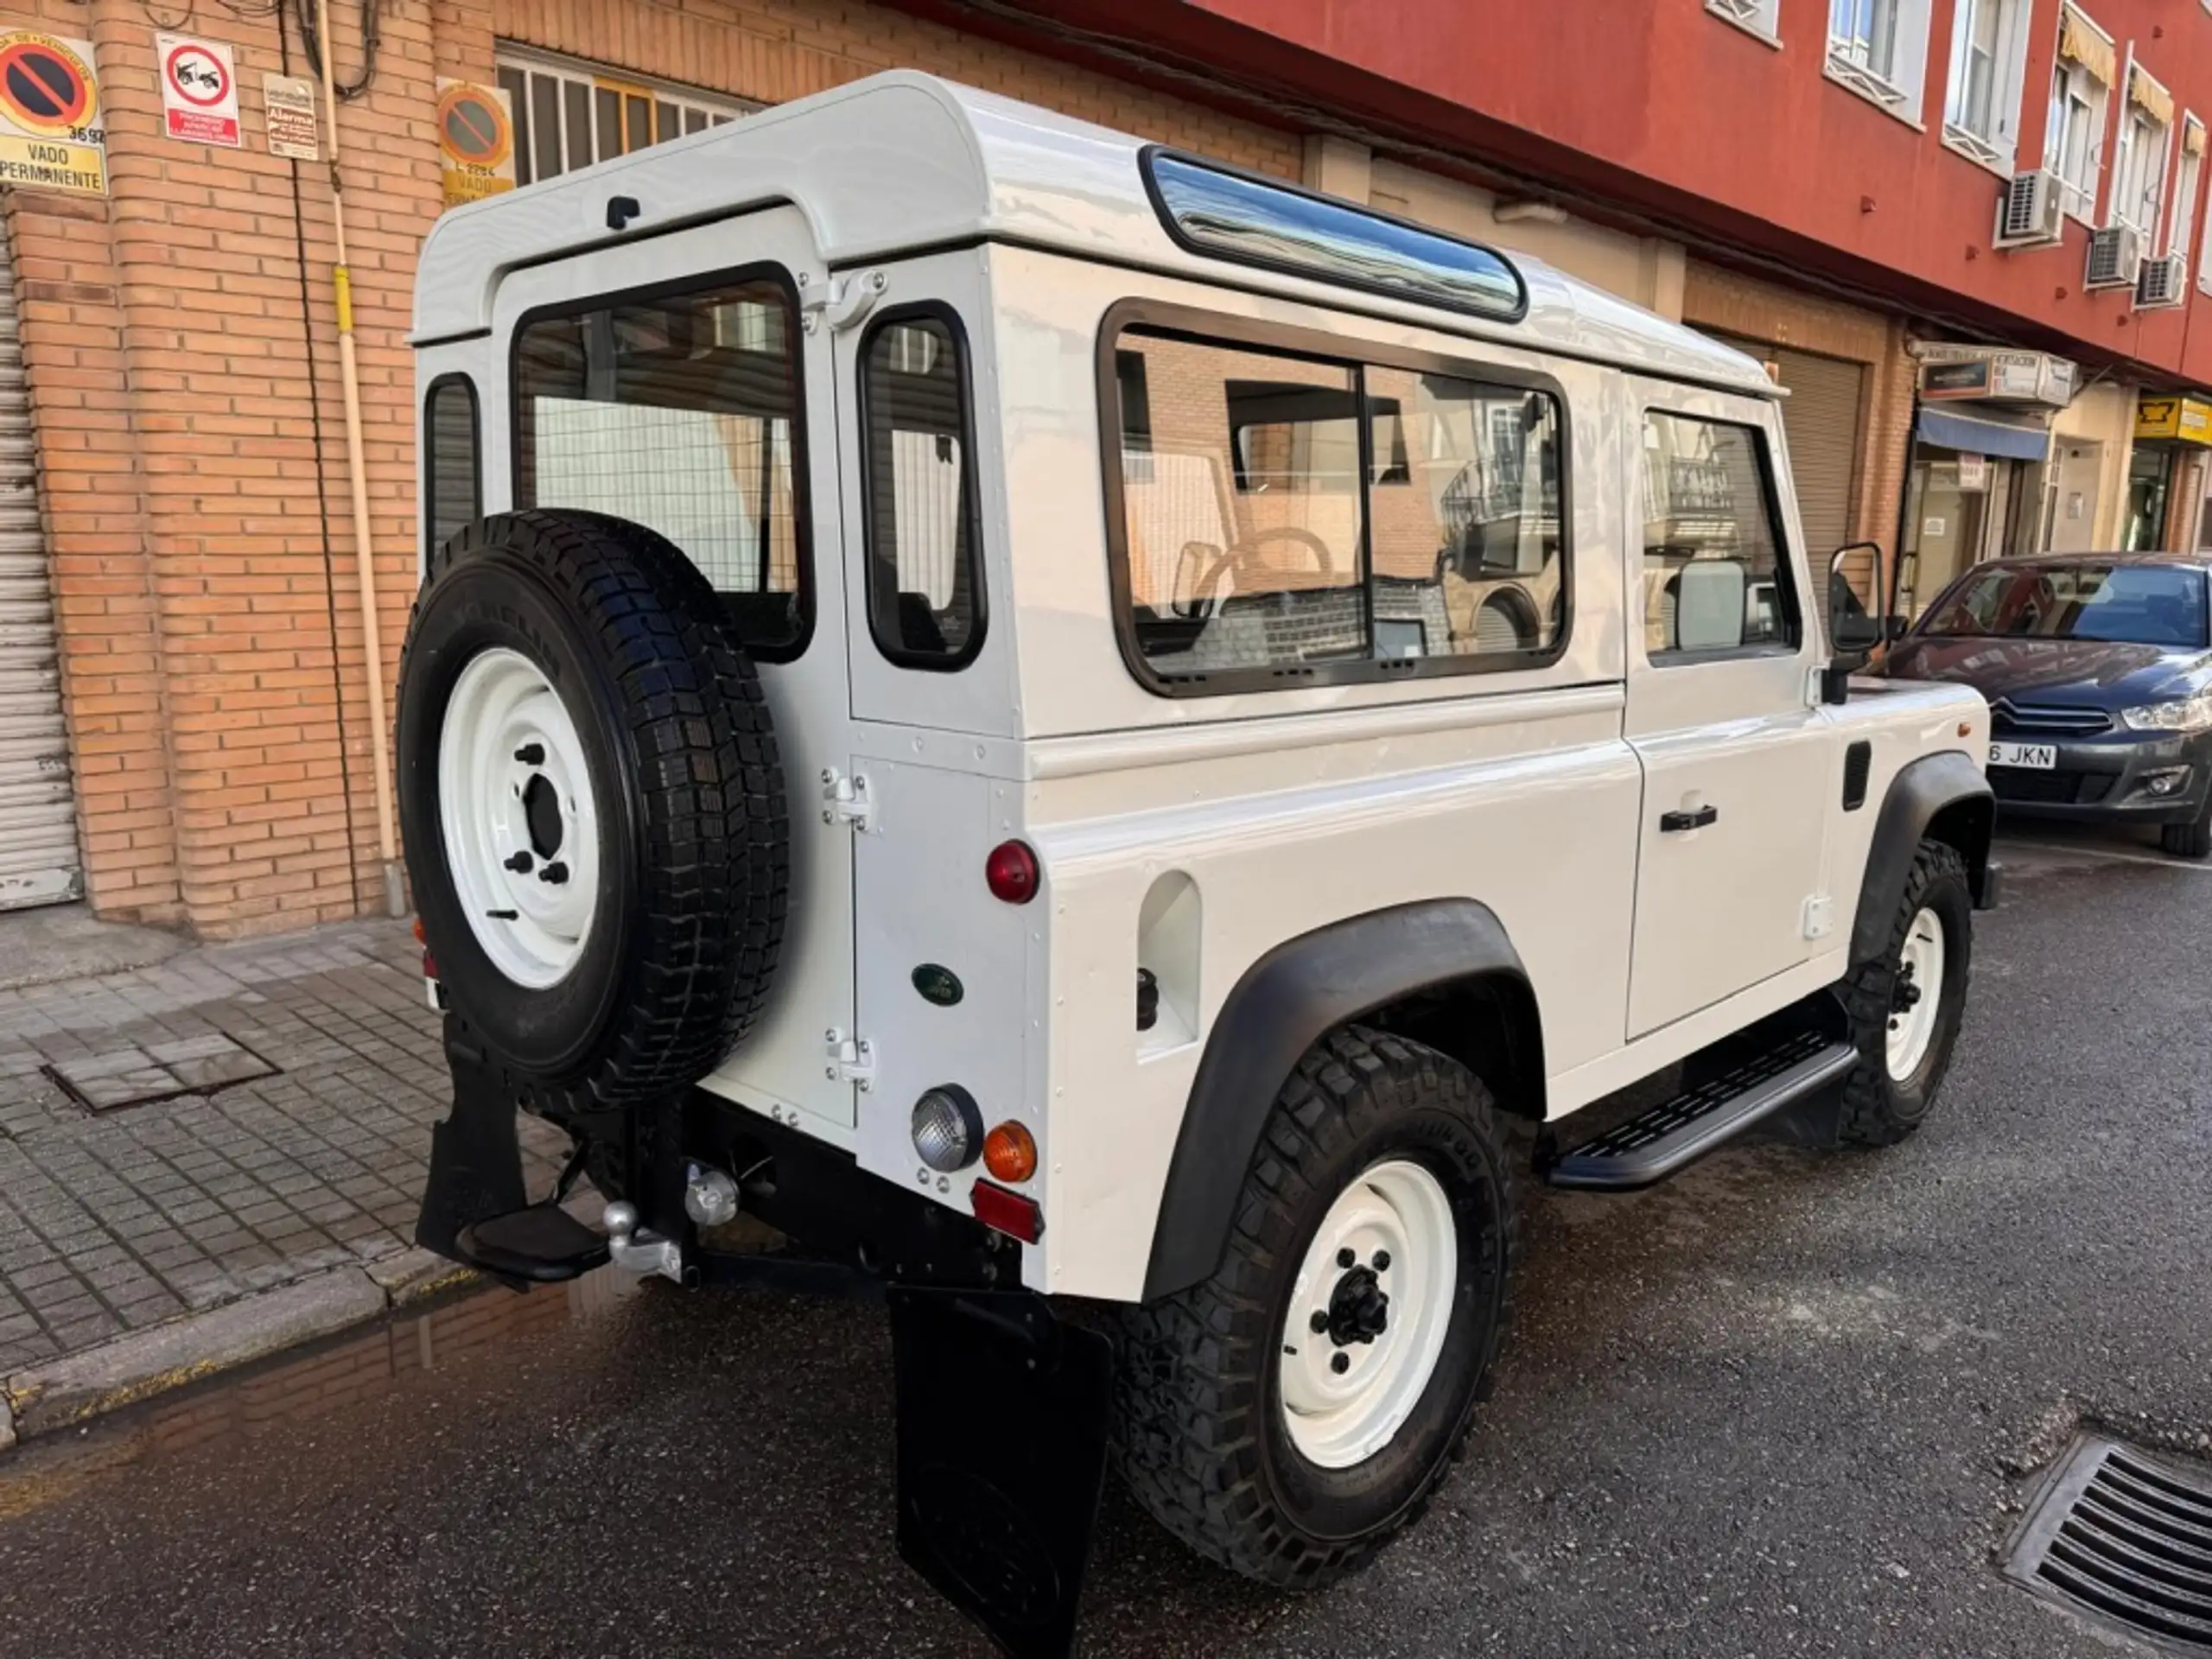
(2110, 778)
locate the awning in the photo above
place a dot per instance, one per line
(2088, 45)
(2152, 99)
(1954, 431)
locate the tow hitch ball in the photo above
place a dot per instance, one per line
(709, 1199)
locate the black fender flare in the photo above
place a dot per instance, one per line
(1285, 1002)
(1948, 786)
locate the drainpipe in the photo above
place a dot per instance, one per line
(357, 469)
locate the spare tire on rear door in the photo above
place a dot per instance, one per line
(593, 806)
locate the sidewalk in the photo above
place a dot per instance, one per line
(183, 1135)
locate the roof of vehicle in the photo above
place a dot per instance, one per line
(2196, 561)
(903, 161)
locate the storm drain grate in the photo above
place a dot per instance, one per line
(134, 1075)
(2128, 1538)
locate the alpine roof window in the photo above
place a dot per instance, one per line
(1229, 215)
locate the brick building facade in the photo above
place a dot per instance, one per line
(179, 344)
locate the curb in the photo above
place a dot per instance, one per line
(70, 1391)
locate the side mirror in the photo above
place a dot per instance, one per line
(1859, 619)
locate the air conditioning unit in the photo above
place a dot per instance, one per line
(2031, 213)
(2162, 282)
(2115, 258)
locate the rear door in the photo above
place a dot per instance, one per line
(1737, 759)
(698, 404)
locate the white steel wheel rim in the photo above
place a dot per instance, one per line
(1912, 1029)
(1337, 1419)
(506, 748)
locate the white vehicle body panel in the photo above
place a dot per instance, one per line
(1196, 834)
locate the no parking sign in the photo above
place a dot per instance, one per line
(199, 90)
(50, 133)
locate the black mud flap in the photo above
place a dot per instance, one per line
(1003, 1414)
(476, 1159)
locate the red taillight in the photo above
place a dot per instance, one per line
(1011, 872)
(429, 966)
(420, 937)
(1007, 1213)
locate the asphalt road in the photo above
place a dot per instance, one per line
(1790, 1402)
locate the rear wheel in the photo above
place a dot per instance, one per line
(1906, 1003)
(1288, 1415)
(593, 806)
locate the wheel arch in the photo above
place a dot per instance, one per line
(1443, 971)
(1942, 797)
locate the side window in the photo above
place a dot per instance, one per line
(1291, 517)
(453, 468)
(924, 572)
(1465, 508)
(680, 412)
(1716, 569)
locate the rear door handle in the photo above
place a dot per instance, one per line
(1671, 822)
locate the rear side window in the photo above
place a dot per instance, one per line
(1288, 518)
(453, 468)
(680, 411)
(1716, 569)
(925, 579)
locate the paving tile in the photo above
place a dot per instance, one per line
(241, 1176)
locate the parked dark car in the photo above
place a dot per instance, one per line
(2098, 669)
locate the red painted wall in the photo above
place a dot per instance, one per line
(1678, 117)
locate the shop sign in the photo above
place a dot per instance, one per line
(1973, 473)
(1984, 373)
(51, 135)
(200, 91)
(476, 141)
(2184, 420)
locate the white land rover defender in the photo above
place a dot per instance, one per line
(1085, 734)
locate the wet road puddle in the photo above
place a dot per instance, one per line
(343, 1374)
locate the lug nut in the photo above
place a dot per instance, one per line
(531, 755)
(1345, 1258)
(520, 863)
(1340, 1364)
(1382, 1261)
(1319, 1323)
(556, 872)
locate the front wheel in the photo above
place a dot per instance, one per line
(2191, 840)
(1287, 1416)
(1906, 1003)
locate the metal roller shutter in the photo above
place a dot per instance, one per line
(38, 860)
(1822, 418)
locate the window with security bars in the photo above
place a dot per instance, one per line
(680, 412)
(568, 116)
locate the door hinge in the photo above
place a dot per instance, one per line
(847, 800)
(843, 299)
(852, 1059)
(1820, 916)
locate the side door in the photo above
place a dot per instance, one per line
(671, 381)
(1722, 710)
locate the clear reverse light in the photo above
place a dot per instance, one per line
(947, 1129)
(2186, 714)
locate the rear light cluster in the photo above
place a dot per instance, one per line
(948, 1134)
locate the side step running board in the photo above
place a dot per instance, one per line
(1654, 1144)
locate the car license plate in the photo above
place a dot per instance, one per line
(2039, 757)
